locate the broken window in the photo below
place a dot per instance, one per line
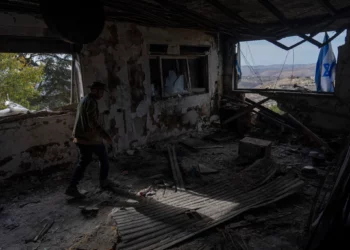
(262, 66)
(34, 81)
(175, 77)
(178, 70)
(178, 76)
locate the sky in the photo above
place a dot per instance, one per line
(266, 53)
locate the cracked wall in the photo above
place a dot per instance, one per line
(120, 58)
(36, 143)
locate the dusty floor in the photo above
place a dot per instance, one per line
(29, 202)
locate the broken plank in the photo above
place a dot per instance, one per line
(264, 111)
(274, 120)
(206, 170)
(172, 165)
(29, 202)
(312, 135)
(245, 111)
(44, 230)
(195, 144)
(210, 146)
(177, 169)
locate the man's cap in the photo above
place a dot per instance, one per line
(98, 85)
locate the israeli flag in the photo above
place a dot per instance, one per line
(325, 68)
(238, 63)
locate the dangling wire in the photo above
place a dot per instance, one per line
(285, 59)
(291, 78)
(251, 68)
(251, 55)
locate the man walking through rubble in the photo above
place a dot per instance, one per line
(88, 135)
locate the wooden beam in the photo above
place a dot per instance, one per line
(328, 6)
(282, 46)
(200, 19)
(139, 9)
(234, 16)
(312, 135)
(245, 111)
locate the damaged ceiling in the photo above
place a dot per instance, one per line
(244, 20)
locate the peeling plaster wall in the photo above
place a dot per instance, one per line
(119, 57)
(36, 143)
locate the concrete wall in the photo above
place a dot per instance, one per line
(35, 143)
(326, 113)
(120, 58)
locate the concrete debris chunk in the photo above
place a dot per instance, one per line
(254, 148)
(206, 170)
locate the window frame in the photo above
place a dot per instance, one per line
(236, 89)
(180, 57)
(76, 91)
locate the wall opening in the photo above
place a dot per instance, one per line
(266, 67)
(178, 76)
(178, 70)
(35, 81)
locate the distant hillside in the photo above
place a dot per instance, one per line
(300, 70)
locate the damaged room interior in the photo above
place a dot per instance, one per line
(162, 124)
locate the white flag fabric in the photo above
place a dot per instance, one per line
(325, 68)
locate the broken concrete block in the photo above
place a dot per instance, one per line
(254, 148)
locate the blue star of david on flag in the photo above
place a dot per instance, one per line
(325, 68)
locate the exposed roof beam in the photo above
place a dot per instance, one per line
(268, 5)
(139, 10)
(234, 16)
(328, 6)
(194, 16)
(230, 13)
(282, 46)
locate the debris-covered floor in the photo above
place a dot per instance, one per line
(35, 213)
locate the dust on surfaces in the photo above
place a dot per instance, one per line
(40, 150)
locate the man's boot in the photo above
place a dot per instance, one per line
(74, 192)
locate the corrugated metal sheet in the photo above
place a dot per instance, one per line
(163, 223)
